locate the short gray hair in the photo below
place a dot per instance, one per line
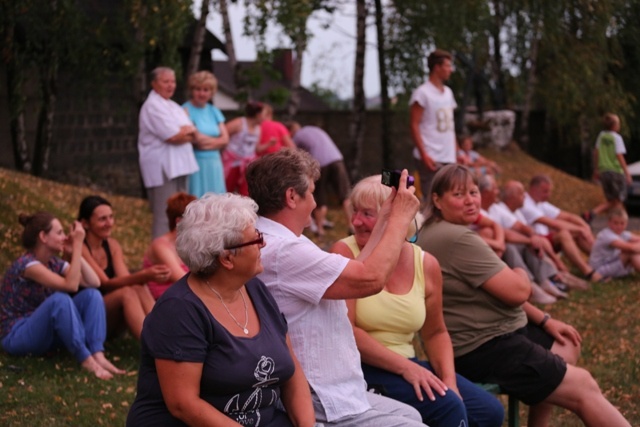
(156, 72)
(486, 183)
(208, 225)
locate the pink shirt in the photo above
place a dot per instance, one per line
(157, 289)
(272, 129)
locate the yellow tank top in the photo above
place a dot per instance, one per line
(392, 319)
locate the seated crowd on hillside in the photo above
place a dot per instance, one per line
(243, 320)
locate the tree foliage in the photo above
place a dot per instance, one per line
(567, 57)
(91, 42)
(291, 17)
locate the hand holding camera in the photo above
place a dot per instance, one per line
(391, 178)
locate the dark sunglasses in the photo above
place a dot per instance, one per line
(258, 241)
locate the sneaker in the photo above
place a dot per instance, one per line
(539, 296)
(570, 281)
(549, 287)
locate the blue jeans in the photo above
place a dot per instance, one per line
(477, 407)
(76, 323)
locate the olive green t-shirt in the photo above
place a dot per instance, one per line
(472, 315)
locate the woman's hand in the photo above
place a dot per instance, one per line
(157, 273)
(423, 379)
(404, 200)
(75, 237)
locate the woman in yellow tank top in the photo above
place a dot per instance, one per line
(384, 326)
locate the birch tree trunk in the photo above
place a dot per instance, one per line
(499, 91)
(196, 44)
(44, 132)
(294, 98)
(384, 88)
(15, 87)
(356, 128)
(140, 82)
(241, 90)
(529, 90)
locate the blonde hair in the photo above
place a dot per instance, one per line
(617, 213)
(610, 120)
(369, 192)
(203, 79)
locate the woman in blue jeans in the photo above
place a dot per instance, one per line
(37, 313)
(384, 326)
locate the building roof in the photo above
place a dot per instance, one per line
(272, 83)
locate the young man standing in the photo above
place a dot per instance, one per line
(432, 123)
(310, 286)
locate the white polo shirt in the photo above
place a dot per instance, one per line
(533, 211)
(298, 273)
(160, 161)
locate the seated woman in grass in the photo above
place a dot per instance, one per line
(126, 295)
(215, 348)
(384, 326)
(37, 313)
(497, 336)
(163, 249)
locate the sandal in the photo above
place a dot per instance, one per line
(587, 216)
(594, 276)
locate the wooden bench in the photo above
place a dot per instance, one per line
(513, 414)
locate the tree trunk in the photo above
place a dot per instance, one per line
(530, 90)
(241, 90)
(44, 131)
(356, 128)
(294, 98)
(15, 87)
(498, 93)
(140, 82)
(385, 109)
(585, 166)
(196, 44)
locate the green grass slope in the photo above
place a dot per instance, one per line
(54, 391)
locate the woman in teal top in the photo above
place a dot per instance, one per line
(211, 136)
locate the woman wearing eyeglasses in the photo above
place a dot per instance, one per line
(384, 326)
(215, 349)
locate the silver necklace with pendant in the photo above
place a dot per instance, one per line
(244, 302)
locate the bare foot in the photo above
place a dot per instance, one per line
(104, 362)
(91, 365)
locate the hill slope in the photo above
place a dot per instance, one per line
(605, 315)
(24, 193)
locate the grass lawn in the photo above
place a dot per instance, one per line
(54, 391)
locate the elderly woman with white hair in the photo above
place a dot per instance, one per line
(215, 349)
(384, 326)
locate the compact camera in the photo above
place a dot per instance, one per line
(391, 178)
